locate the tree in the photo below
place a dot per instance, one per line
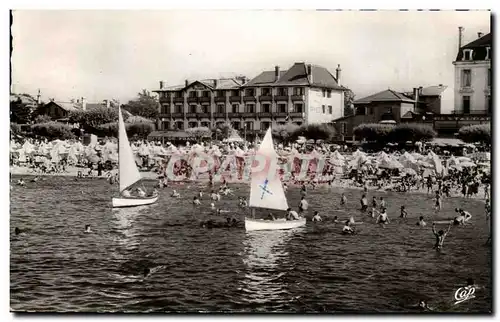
(199, 132)
(53, 130)
(90, 119)
(315, 132)
(348, 102)
(42, 118)
(411, 132)
(222, 131)
(144, 105)
(475, 133)
(20, 112)
(373, 132)
(283, 133)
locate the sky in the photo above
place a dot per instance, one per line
(115, 54)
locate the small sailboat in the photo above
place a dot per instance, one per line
(266, 191)
(128, 172)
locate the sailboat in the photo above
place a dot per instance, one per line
(266, 191)
(128, 172)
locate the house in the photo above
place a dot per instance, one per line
(303, 94)
(58, 110)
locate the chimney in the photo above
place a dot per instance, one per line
(243, 80)
(187, 83)
(215, 83)
(309, 73)
(479, 34)
(108, 103)
(415, 98)
(338, 73)
(276, 73)
(161, 84)
(420, 89)
(38, 99)
(84, 104)
(460, 33)
(440, 85)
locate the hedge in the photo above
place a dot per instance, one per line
(475, 133)
(411, 132)
(53, 130)
(373, 131)
(140, 129)
(315, 132)
(283, 133)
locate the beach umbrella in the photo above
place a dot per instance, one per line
(467, 164)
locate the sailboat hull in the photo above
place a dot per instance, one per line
(133, 202)
(279, 224)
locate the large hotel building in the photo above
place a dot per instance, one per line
(303, 94)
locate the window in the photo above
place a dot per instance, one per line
(282, 91)
(487, 53)
(282, 108)
(192, 108)
(266, 91)
(266, 108)
(221, 94)
(236, 125)
(330, 109)
(298, 123)
(165, 108)
(235, 93)
(360, 110)
(323, 91)
(250, 92)
(206, 93)
(489, 76)
(265, 125)
(193, 94)
(298, 91)
(204, 109)
(369, 111)
(249, 108)
(467, 54)
(466, 77)
(249, 125)
(329, 93)
(178, 108)
(165, 125)
(192, 124)
(466, 104)
(343, 128)
(180, 125)
(298, 108)
(236, 108)
(178, 94)
(323, 109)
(205, 124)
(221, 108)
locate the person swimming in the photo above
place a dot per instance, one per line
(335, 219)
(421, 222)
(404, 213)
(382, 217)
(175, 194)
(200, 194)
(347, 228)
(87, 229)
(20, 182)
(196, 201)
(440, 236)
(316, 217)
(462, 218)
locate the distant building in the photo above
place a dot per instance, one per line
(303, 94)
(58, 110)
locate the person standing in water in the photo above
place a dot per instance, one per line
(438, 201)
(440, 236)
(316, 217)
(404, 214)
(292, 214)
(303, 190)
(87, 229)
(343, 200)
(347, 228)
(382, 217)
(364, 203)
(196, 201)
(382, 203)
(303, 205)
(421, 222)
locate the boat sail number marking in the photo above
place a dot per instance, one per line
(265, 189)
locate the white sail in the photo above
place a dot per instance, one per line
(129, 174)
(266, 190)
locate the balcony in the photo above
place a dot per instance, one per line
(249, 99)
(265, 114)
(296, 114)
(191, 115)
(280, 114)
(298, 98)
(249, 114)
(281, 98)
(265, 98)
(165, 115)
(177, 115)
(165, 99)
(234, 115)
(466, 89)
(204, 115)
(471, 112)
(220, 99)
(178, 99)
(192, 99)
(219, 115)
(235, 99)
(204, 99)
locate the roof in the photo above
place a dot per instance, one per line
(25, 99)
(171, 134)
(478, 46)
(433, 90)
(296, 76)
(67, 106)
(211, 83)
(385, 96)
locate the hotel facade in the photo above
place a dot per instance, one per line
(303, 94)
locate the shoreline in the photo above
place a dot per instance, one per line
(148, 175)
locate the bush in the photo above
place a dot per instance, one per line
(108, 129)
(411, 132)
(475, 133)
(53, 130)
(42, 119)
(283, 133)
(91, 119)
(15, 128)
(373, 132)
(199, 132)
(141, 129)
(315, 132)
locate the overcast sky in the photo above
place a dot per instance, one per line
(114, 54)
